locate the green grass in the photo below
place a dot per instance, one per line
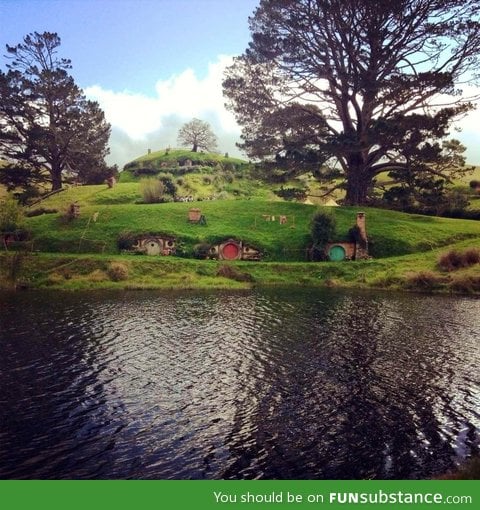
(74, 272)
(174, 155)
(76, 254)
(391, 233)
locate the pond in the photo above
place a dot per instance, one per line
(271, 384)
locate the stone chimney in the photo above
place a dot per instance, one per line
(362, 225)
(361, 246)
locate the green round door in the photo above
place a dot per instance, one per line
(336, 253)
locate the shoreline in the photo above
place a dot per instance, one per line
(71, 272)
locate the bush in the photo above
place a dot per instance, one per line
(170, 188)
(152, 190)
(450, 261)
(117, 271)
(453, 260)
(11, 214)
(424, 280)
(126, 240)
(322, 229)
(291, 193)
(465, 284)
(145, 171)
(201, 251)
(471, 257)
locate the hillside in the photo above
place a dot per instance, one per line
(79, 253)
(391, 233)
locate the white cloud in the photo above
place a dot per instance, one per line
(140, 122)
(178, 99)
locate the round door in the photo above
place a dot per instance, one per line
(336, 253)
(230, 251)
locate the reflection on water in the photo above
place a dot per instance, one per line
(261, 384)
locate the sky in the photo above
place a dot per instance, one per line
(154, 64)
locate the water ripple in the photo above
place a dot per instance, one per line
(261, 384)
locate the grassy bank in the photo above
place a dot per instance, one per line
(84, 252)
(390, 233)
(416, 272)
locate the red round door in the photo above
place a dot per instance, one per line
(230, 251)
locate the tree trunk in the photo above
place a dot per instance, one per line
(359, 182)
(195, 148)
(56, 174)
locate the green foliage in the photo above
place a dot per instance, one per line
(291, 193)
(367, 111)
(51, 126)
(170, 188)
(201, 251)
(126, 240)
(96, 173)
(11, 214)
(322, 230)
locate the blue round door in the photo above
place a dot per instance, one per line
(336, 253)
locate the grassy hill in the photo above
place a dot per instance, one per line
(116, 212)
(79, 253)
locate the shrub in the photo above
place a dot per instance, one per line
(170, 188)
(126, 240)
(450, 261)
(11, 214)
(201, 251)
(322, 229)
(145, 171)
(152, 190)
(228, 177)
(423, 280)
(471, 257)
(453, 260)
(117, 271)
(291, 193)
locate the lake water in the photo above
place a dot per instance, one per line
(275, 384)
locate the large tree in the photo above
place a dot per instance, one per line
(369, 86)
(47, 125)
(198, 134)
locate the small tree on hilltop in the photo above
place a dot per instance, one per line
(198, 134)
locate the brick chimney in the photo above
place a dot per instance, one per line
(361, 246)
(362, 225)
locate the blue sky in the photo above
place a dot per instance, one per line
(154, 64)
(129, 44)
